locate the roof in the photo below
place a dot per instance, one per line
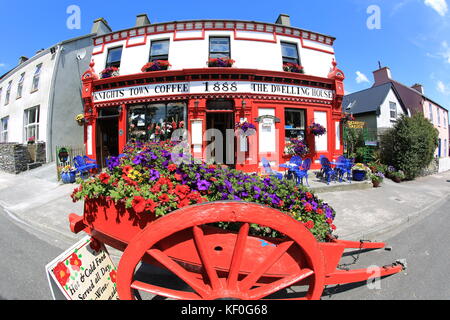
(368, 100)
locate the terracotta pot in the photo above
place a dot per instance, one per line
(32, 151)
(397, 179)
(376, 184)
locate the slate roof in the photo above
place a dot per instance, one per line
(368, 100)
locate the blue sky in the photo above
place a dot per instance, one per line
(413, 38)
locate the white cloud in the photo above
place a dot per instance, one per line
(361, 77)
(2, 65)
(440, 6)
(445, 53)
(443, 88)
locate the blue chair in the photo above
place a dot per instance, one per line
(269, 170)
(327, 171)
(344, 167)
(302, 172)
(84, 164)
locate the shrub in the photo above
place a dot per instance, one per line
(410, 145)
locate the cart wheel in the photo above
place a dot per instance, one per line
(211, 284)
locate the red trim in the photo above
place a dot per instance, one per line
(202, 37)
(99, 52)
(127, 45)
(316, 49)
(275, 40)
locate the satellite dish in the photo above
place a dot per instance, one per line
(81, 55)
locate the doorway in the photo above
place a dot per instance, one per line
(107, 139)
(221, 138)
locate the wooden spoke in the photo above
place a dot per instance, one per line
(276, 286)
(199, 240)
(164, 292)
(251, 279)
(171, 265)
(238, 254)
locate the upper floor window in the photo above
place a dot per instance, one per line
(439, 117)
(290, 53)
(36, 78)
(114, 57)
(159, 50)
(8, 92)
(4, 130)
(219, 47)
(431, 112)
(20, 86)
(393, 110)
(31, 123)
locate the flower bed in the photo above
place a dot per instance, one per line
(152, 180)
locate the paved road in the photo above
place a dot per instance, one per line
(25, 252)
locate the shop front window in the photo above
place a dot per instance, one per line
(295, 124)
(155, 122)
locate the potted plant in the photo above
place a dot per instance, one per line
(377, 178)
(296, 147)
(360, 171)
(80, 119)
(317, 129)
(109, 72)
(397, 176)
(248, 129)
(68, 174)
(221, 62)
(292, 67)
(157, 65)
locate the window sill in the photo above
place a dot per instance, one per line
(33, 91)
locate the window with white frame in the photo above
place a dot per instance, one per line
(36, 78)
(31, 123)
(393, 110)
(159, 50)
(114, 57)
(431, 112)
(8, 93)
(439, 117)
(4, 129)
(20, 86)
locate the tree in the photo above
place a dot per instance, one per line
(410, 146)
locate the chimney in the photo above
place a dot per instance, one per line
(100, 27)
(142, 20)
(418, 87)
(382, 75)
(284, 20)
(22, 59)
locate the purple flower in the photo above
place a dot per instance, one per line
(154, 175)
(113, 162)
(203, 185)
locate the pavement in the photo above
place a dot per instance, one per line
(37, 200)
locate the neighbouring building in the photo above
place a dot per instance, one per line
(281, 79)
(416, 101)
(379, 107)
(41, 96)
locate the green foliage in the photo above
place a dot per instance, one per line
(410, 145)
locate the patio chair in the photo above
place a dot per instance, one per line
(302, 172)
(268, 169)
(84, 164)
(328, 172)
(345, 168)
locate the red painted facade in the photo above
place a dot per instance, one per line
(246, 105)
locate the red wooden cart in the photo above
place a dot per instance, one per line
(219, 264)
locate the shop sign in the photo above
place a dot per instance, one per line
(200, 87)
(356, 124)
(84, 272)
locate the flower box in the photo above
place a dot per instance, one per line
(109, 72)
(221, 62)
(292, 67)
(158, 65)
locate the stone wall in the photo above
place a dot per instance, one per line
(16, 158)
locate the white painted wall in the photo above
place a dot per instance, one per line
(15, 108)
(384, 119)
(188, 54)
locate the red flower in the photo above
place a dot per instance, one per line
(75, 262)
(184, 203)
(333, 227)
(309, 225)
(309, 195)
(113, 276)
(172, 167)
(308, 207)
(164, 198)
(139, 204)
(150, 205)
(104, 178)
(62, 273)
(127, 169)
(182, 190)
(178, 177)
(319, 211)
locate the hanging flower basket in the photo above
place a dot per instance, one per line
(296, 147)
(157, 65)
(293, 67)
(317, 129)
(246, 128)
(346, 118)
(221, 62)
(80, 119)
(109, 72)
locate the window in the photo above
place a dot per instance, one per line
(20, 86)
(295, 124)
(431, 113)
(1, 89)
(4, 130)
(114, 57)
(8, 93)
(439, 117)
(154, 122)
(159, 50)
(290, 53)
(36, 77)
(219, 47)
(393, 110)
(31, 121)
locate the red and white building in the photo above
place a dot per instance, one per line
(256, 88)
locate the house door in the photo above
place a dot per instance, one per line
(221, 138)
(107, 139)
